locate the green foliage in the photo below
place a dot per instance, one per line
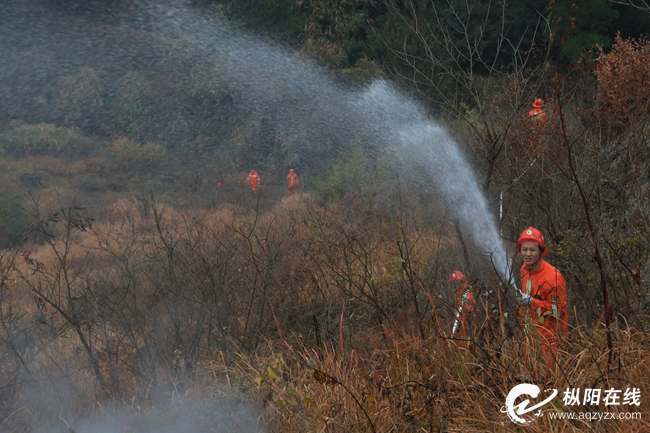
(81, 99)
(346, 174)
(364, 70)
(276, 17)
(44, 138)
(27, 93)
(14, 220)
(133, 102)
(385, 31)
(353, 170)
(580, 25)
(134, 155)
(631, 23)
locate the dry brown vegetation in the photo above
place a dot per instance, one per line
(322, 318)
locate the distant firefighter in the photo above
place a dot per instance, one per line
(538, 118)
(537, 115)
(218, 187)
(254, 180)
(292, 178)
(465, 303)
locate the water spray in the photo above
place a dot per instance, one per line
(301, 108)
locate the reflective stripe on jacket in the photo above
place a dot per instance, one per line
(548, 311)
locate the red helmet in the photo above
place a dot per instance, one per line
(531, 234)
(538, 103)
(457, 276)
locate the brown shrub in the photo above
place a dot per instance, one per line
(624, 78)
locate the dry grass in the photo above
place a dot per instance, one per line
(342, 348)
(402, 383)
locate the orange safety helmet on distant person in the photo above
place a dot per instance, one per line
(531, 234)
(538, 103)
(457, 276)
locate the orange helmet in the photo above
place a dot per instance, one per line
(457, 276)
(531, 234)
(538, 103)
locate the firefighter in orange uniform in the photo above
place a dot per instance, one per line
(538, 119)
(465, 303)
(292, 178)
(254, 180)
(543, 294)
(537, 115)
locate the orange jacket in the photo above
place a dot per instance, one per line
(293, 179)
(547, 313)
(253, 177)
(538, 117)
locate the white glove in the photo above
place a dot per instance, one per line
(524, 299)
